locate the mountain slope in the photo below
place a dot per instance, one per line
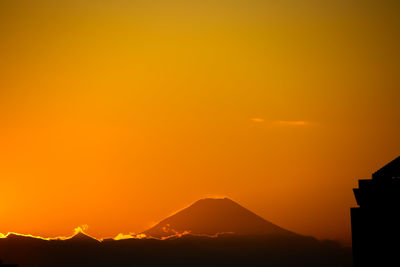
(212, 216)
(82, 237)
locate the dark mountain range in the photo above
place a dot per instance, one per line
(215, 216)
(244, 239)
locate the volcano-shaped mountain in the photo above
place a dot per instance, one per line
(214, 216)
(255, 242)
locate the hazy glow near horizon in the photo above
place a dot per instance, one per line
(117, 113)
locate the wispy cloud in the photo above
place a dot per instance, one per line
(291, 123)
(282, 122)
(257, 119)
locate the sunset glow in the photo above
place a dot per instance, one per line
(117, 114)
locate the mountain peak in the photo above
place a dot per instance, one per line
(209, 199)
(210, 216)
(82, 237)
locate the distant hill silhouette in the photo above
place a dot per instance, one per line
(82, 237)
(214, 216)
(188, 250)
(252, 241)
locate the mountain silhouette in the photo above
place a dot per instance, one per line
(16, 238)
(243, 239)
(82, 237)
(215, 216)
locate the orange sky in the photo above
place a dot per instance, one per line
(116, 114)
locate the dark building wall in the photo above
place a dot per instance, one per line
(376, 238)
(375, 223)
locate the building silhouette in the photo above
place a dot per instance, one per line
(375, 223)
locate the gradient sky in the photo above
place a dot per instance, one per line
(116, 114)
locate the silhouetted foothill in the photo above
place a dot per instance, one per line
(223, 234)
(376, 223)
(82, 238)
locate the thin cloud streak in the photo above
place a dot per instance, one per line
(282, 122)
(292, 123)
(257, 120)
